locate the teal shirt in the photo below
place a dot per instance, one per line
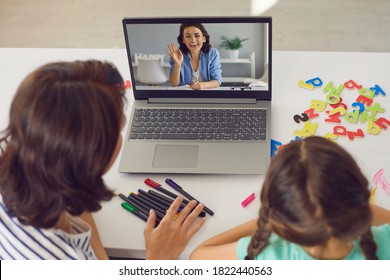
(280, 249)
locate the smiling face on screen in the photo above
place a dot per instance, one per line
(193, 38)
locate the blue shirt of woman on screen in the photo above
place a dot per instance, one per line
(195, 62)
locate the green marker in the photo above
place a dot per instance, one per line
(134, 211)
(129, 207)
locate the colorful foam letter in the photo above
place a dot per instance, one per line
(339, 104)
(275, 145)
(126, 85)
(333, 118)
(378, 90)
(308, 129)
(373, 128)
(342, 131)
(317, 82)
(333, 96)
(372, 195)
(383, 123)
(311, 114)
(299, 118)
(374, 109)
(360, 105)
(339, 130)
(351, 134)
(317, 105)
(331, 136)
(352, 117)
(364, 100)
(302, 84)
(338, 110)
(366, 117)
(351, 85)
(366, 92)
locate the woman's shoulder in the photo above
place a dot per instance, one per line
(213, 51)
(39, 243)
(212, 55)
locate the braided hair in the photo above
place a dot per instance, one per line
(314, 191)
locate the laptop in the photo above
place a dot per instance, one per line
(174, 128)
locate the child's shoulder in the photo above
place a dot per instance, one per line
(381, 236)
(382, 231)
(277, 249)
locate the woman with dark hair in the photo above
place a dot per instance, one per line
(195, 62)
(63, 135)
(314, 205)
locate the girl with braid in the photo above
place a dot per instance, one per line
(314, 205)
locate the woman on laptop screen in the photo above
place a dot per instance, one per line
(195, 63)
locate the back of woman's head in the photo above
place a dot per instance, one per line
(65, 122)
(313, 191)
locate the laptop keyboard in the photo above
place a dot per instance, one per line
(199, 124)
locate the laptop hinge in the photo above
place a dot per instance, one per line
(202, 100)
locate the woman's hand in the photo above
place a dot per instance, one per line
(175, 54)
(196, 85)
(171, 236)
(204, 85)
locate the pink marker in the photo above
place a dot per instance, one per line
(248, 200)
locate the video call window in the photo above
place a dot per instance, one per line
(151, 52)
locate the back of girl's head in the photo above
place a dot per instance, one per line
(313, 191)
(65, 122)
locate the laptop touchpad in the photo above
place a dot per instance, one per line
(185, 156)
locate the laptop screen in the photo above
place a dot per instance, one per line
(220, 57)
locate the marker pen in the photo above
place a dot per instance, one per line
(140, 208)
(156, 195)
(134, 211)
(171, 183)
(161, 201)
(169, 200)
(146, 205)
(151, 202)
(162, 197)
(157, 186)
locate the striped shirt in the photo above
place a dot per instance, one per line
(21, 242)
(3, 143)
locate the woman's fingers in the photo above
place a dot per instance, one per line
(173, 209)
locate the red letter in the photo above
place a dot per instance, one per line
(382, 123)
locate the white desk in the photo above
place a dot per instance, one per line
(122, 233)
